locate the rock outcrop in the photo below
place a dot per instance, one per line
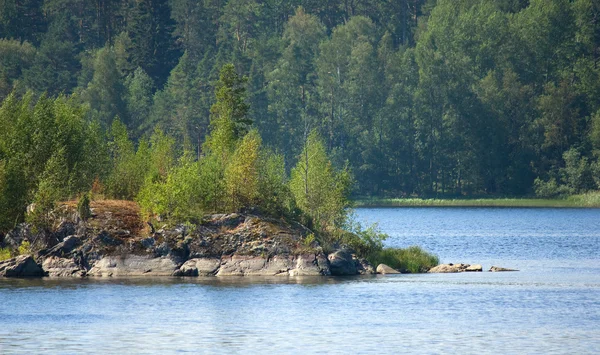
(453, 268)
(21, 266)
(62, 267)
(499, 269)
(114, 242)
(384, 269)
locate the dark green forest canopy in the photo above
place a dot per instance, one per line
(417, 97)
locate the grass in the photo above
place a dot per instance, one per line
(412, 259)
(587, 200)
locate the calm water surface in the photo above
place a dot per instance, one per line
(551, 306)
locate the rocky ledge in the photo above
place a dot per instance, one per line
(114, 242)
(454, 268)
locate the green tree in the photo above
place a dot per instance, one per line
(229, 121)
(320, 191)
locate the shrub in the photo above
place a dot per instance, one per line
(412, 259)
(365, 242)
(83, 207)
(4, 254)
(24, 248)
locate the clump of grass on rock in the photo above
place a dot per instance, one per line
(410, 260)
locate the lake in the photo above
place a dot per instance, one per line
(551, 306)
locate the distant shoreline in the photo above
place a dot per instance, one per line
(590, 200)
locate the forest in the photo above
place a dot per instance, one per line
(420, 98)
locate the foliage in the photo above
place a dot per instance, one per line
(412, 259)
(5, 254)
(241, 173)
(83, 207)
(229, 121)
(366, 242)
(320, 190)
(24, 248)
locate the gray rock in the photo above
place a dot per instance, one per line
(199, 267)
(64, 247)
(148, 242)
(242, 265)
(309, 265)
(364, 267)
(133, 265)
(21, 266)
(107, 239)
(499, 269)
(384, 269)
(341, 263)
(62, 267)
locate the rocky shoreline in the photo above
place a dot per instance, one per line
(115, 243)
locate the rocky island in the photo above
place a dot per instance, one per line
(115, 242)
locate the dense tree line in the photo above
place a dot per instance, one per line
(414, 97)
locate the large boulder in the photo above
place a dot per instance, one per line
(199, 267)
(310, 265)
(364, 267)
(21, 266)
(384, 269)
(62, 267)
(341, 263)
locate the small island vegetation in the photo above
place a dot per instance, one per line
(233, 172)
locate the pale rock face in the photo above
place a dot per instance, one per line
(133, 265)
(62, 267)
(384, 269)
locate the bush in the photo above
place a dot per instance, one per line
(412, 259)
(83, 207)
(365, 242)
(5, 254)
(24, 248)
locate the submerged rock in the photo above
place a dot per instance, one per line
(21, 266)
(384, 269)
(453, 268)
(499, 269)
(474, 268)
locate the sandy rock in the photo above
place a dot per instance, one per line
(474, 268)
(448, 268)
(133, 265)
(21, 266)
(62, 267)
(384, 269)
(499, 269)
